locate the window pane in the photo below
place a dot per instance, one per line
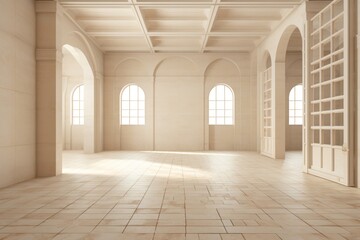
(141, 113)
(291, 121)
(133, 113)
(228, 105)
(212, 95)
(220, 121)
(126, 94)
(125, 121)
(220, 113)
(81, 92)
(76, 105)
(125, 113)
(299, 92)
(228, 113)
(220, 93)
(133, 93)
(228, 121)
(298, 121)
(125, 105)
(76, 121)
(220, 104)
(76, 94)
(291, 113)
(133, 121)
(228, 94)
(298, 113)
(133, 104)
(298, 105)
(291, 105)
(141, 121)
(141, 95)
(141, 104)
(292, 94)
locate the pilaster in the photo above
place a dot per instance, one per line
(48, 89)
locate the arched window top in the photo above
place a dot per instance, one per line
(221, 105)
(221, 92)
(296, 105)
(132, 105)
(78, 116)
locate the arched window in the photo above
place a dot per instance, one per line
(296, 105)
(78, 106)
(221, 105)
(132, 106)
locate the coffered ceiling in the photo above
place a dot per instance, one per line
(178, 25)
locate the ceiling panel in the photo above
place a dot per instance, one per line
(178, 25)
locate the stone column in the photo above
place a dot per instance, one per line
(48, 89)
(99, 111)
(278, 95)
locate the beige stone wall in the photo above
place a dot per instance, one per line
(176, 89)
(17, 91)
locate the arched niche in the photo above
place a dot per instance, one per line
(294, 68)
(131, 67)
(289, 47)
(220, 72)
(80, 42)
(222, 67)
(89, 106)
(178, 105)
(176, 66)
(284, 41)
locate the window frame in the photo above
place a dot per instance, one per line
(220, 119)
(135, 115)
(296, 113)
(80, 117)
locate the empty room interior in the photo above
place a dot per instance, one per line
(180, 119)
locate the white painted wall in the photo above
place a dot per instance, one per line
(176, 89)
(17, 91)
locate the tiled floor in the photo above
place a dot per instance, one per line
(180, 196)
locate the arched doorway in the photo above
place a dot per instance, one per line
(289, 108)
(294, 93)
(78, 101)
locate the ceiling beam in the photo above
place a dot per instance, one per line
(209, 26)
(104, 18)
(141, 21)
(115, 34)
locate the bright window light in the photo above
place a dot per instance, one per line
(296, 105)
(132, 106)
(221, 105)
(78, 106)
